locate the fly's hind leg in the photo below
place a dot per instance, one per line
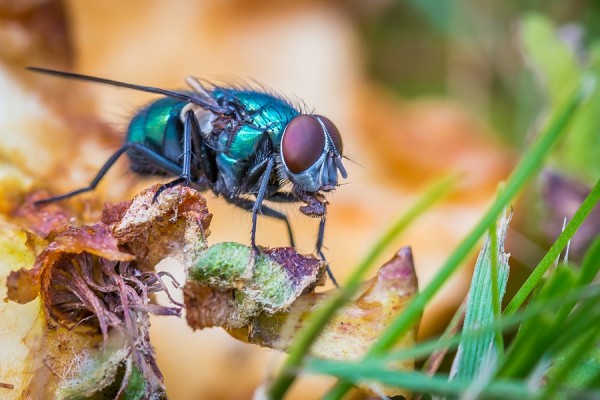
(99, 175)
(153, 157)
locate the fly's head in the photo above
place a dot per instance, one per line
(311, 153)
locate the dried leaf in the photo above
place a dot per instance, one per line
(95, 284)
(42, 220)
(357, 325)
(20, 327)
(348, 335)
(176, 225)
(13, 186)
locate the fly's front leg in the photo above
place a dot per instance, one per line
(191, 124)
(316, 206)
(319, 246)
(247, 204)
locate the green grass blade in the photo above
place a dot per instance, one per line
(499, 278)
(537, 334)
(548, 306)
(527, 167)
(568, 366)
(536, 276)
(439, 353)
(546, 337)
(418, 381)
(421, 350)
(590, 265)
(591, 369)
(320, 318)
(483, 305)
(559, 327)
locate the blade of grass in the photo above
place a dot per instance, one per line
(494, 274)
(585, 315)
(527, 167)
(541, 338)
(422, 349)
(538, 273)
(590, 265)
(593, 380)
(435, 360)
(418, 381)
(580, 368)
(537, 334)
(548, 306)
(568, 366)
(482, 307)
(320, 318)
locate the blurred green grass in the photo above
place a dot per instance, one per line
(473, 52)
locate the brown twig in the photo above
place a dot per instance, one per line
(6, 385)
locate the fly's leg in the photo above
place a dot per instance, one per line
(316, 206)
(260, 174)
(205, 156)
(99, 175)
(184, 178)
(267, 211)
(319, 246)
(259, 199)
(283, 197)
(155, 158)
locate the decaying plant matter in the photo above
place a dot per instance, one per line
(348, 336)
(96, 284)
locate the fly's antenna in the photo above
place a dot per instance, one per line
(353, 162)
(170, 93)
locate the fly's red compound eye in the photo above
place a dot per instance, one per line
(333, 132)
(303, 143)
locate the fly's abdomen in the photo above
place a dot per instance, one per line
(157, 127)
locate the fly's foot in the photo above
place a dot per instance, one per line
(180, 181)
(329, 272)
(254, 253)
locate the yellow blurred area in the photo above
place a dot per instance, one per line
(306, 50)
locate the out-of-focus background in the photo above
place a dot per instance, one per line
(419, 89)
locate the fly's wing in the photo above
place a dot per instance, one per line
(200, 90)
(199, 99)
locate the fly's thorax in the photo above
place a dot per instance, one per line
(311, 153)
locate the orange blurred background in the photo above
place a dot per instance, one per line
(308, 50)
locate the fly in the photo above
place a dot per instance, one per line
(245, 145)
